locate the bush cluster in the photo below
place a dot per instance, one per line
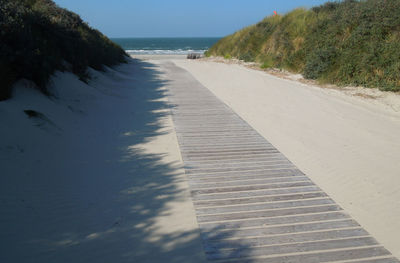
(347, 43)
(37, 38)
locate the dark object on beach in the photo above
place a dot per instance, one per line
(41, 121)
(193, 56)
(33, 114)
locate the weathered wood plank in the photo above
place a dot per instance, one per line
(248, 182)
(250, 188)
(327, 216)
(259, 175)
(386, 259)
(236, 165)
(262, 206)
(326, 256)
(266, 213)
(217, 245)
(244, 169)
(294, 248)
(262, 199)
(245, 194)
(230, 157)
(276, 230)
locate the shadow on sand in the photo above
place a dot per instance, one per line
(98, 196)
(93, 192)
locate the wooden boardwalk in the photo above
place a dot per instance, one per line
(252, 204)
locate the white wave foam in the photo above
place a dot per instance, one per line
(163, 52)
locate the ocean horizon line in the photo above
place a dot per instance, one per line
(163, 51)
(162, 37)
(165, 46)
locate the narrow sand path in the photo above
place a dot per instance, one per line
(253, 204)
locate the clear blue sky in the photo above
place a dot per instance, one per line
(177, 18)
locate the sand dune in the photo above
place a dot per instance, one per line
(94, 175)
(347, 145)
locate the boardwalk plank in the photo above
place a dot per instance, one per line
(294, 248)
(327, 216)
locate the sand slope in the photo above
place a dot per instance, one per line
(97, 176)
(346, 145)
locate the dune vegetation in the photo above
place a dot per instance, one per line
(37, 38)
(346, 43)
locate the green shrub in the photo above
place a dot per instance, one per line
(347, 42)
(319, 62)
(267, 62)
(37, 38)
(247, 57)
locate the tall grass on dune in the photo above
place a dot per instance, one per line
(37, 38)
(346, 43)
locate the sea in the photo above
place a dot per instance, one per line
(165, 46)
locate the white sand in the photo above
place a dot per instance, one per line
(98, 177)
(348, 145)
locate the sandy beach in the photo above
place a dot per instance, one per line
(348, 145)
(97, 174)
